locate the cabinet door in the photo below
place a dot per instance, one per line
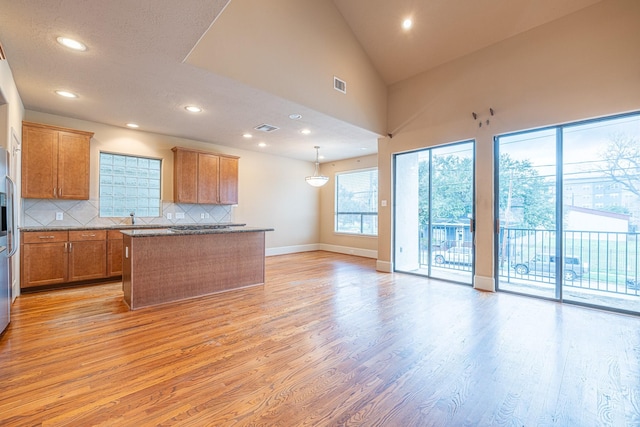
(73, 166)
(87, 260)
(39, 162)
(228, 181)
(114, 254)
(185, 176)
(44, 264)
(208, 165)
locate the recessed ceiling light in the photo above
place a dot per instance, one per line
(407, 24)
(66, 94)
(247, 135)
(133, 125)
(262, 144)
(193, 109)
(295, 116)
(71, 44)
(305, 131)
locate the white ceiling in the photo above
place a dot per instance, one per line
(133, 70)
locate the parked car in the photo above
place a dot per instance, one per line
(457, 255)
(545, 265)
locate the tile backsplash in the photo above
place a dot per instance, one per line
(42, 212)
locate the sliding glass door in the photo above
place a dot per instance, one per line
(433, 212)
(568, 199)
(527, 164)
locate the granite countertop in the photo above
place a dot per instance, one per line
(121, 227)
(196, 229)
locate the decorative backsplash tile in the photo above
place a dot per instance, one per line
(42, 212)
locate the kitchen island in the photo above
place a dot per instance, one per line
(173, 264)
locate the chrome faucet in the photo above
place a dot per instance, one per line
(133, 218)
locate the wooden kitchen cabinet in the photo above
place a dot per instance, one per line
(44, 258)
(59, 257)
(228, 183)
(114, 253)
(55, 162)
(206, 178)
(87, 255)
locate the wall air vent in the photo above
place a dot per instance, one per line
(266, 128)
(339, 85)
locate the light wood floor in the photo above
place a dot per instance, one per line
(327, 341)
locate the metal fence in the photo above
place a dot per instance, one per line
(601, 261)
(605, 262)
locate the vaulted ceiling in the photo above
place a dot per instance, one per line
(248, 62)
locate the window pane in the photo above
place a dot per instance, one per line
(357, 202)
(129, 184)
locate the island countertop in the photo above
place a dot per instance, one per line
(186, 230)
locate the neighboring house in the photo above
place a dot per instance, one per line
(584, 219)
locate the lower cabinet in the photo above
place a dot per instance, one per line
(58, 257)
(87, 255)
(44, 258)
(114, 253)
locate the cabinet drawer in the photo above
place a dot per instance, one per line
(82, 235)
(44, 236)
(114, 234)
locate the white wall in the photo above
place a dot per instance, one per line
(366, 246)
(584, 65)
(272, 190)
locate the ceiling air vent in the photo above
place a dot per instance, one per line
(339, 85)
(266, 128)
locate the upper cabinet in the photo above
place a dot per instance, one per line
(55, 162)
(206, 178)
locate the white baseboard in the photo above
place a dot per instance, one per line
(384, 266)
(367, 253)
(483, 283)
(284, 250)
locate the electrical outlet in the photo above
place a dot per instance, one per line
(206, 215)
(202, 215)
(179, 215)
(59, 216)
(169, 215)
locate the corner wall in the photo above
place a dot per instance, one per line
(584, 65)
(366, 246)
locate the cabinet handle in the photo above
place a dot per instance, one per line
(46, 237)
(54, 192)
(70, 247)
(65, 246)
(60, 192)
(88, 235)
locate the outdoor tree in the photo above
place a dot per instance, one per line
(452, 184)
(524, 195)
(621, 161)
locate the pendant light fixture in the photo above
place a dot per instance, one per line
(317, 180)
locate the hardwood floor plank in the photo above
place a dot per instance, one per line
(328, 341)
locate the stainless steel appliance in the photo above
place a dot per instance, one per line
(7, 238)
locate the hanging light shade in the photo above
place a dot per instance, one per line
(317, 180)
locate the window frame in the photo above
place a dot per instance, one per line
(127, 209)
(363, 214)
